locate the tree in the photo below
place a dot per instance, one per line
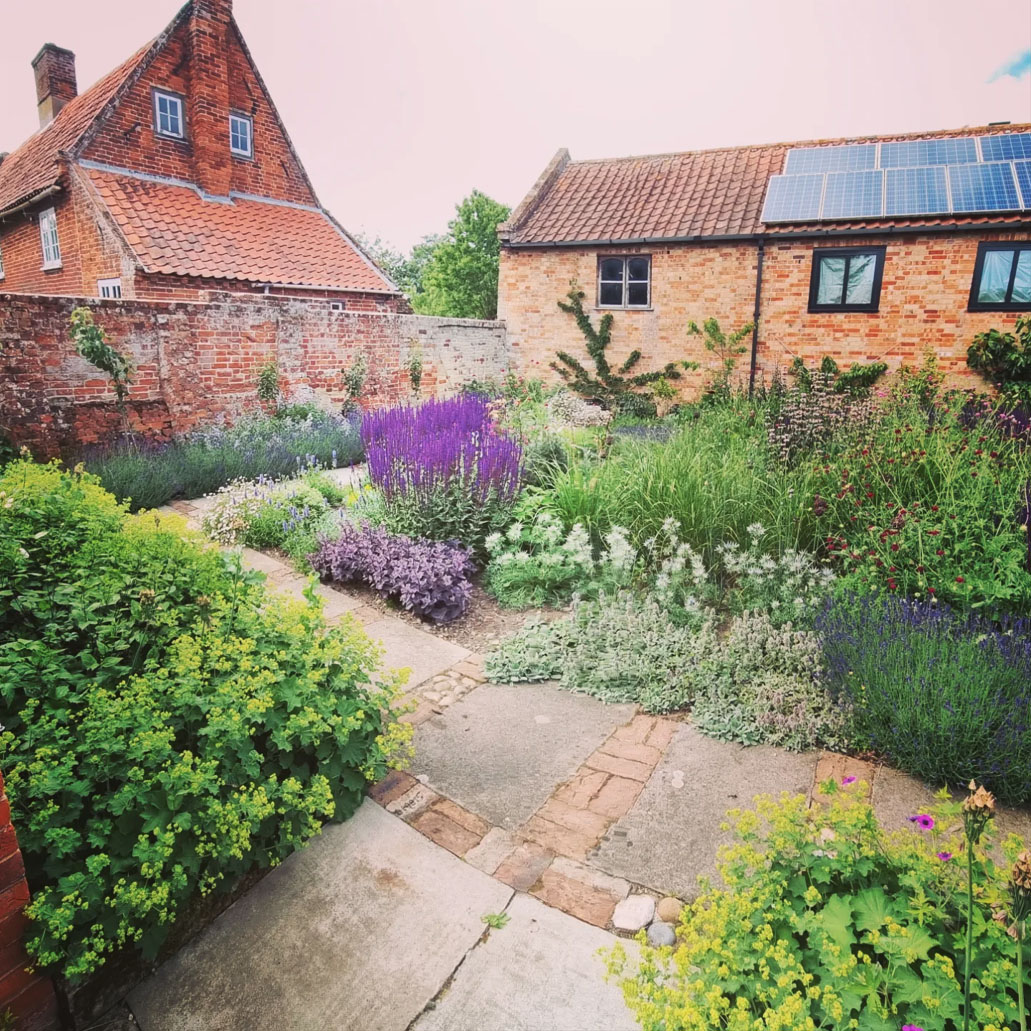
(460, 278)
(405, 270)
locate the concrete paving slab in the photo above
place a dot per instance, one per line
(671, 833)
(540, 972)
(408, 646)
(356, 932)
(503, 749)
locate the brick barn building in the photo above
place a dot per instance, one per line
(872, 249)
(170, 177)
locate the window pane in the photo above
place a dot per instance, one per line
(637, 293)
(637, 268)
(832, 276)
(995, 277)
(860, 279)
(612, 269)
(611, 293)
(1022, 281)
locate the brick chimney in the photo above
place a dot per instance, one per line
(55, 81)
(208, 103)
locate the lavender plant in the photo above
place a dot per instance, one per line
(444, 470)
(944, 696)
(429, 578)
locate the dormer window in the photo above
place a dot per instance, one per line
(168, 115)
(241, 135)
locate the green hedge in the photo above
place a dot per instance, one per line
(168, 724)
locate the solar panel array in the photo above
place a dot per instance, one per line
(963, 175)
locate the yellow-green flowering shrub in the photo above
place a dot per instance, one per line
(828, 922)
(169, 724)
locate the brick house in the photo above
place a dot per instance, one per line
(170, 177)
(871, 249)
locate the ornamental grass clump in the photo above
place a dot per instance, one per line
(169, 725)
(429, 578)
(443, 468)
(943, 695)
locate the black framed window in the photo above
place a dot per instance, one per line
(846, 279)
(625, 282)
(1002, 277)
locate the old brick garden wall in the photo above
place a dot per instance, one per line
(197, 363)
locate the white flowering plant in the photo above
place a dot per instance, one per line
(536, 562)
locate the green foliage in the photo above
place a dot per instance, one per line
(91, 342)
(614, 388)
(169, 725)
(856, 381)
(406, 271)
(355, 376)
(727, 348)
(619, 648)
(413, 365)
(535, 563)
(828, 921)
(268, 383)
(1004, 359)
(460, 276)
(495, 921)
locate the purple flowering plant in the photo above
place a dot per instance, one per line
(429, 578)
(444, 469)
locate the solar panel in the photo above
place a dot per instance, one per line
(989, 187)
(1023, 170)
(1013, 147)
(917, 153)
(916, 191)
(851, 157)
(853, 195)
(793, 198)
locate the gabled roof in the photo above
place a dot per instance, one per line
(690, 195)
(172, 228)
(35, 165)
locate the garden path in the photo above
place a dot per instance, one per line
(526, 800)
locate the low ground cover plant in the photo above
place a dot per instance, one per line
(445, 472)
(146, 474)
(828, 921)
(429, 578)
(169, 725)
(943, 695)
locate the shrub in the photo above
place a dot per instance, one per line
(444, 470)
(1004, 359)
(618, 648)
(147, 475)
(827, 921)
(168, 724)
(536, 563)
(944, 696)
(565, 407)
(260, 514)
(429, 578)
(762, 686)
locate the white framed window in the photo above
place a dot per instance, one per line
(111, 288)
(168, 115)
(48, 238)
(241, 135)
(625, 282)
(1, 263)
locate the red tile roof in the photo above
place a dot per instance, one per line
(172, 229)
(34, 166)
(704, 193)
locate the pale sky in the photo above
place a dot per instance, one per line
(399, 108)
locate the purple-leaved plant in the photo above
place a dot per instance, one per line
(430, 578)
(443, 468)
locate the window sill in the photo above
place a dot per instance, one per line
(851, 309)
(241, 156)
(52, 267)
(621, 307)
(1003, 308)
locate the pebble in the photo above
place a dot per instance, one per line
(677, 779)
(668, 909)
(660, 933)
(634, 912)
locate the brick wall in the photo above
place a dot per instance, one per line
(924, 295)
(28, 997)
(197, 363)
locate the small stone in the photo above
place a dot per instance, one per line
(660, 933)
(633, 913)
(431, 696)
(668, 909)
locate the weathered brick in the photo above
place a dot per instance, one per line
(445, 832)
(616, 797)
(393, 785)
(581, 900)
(523, 868)
(626, 750)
